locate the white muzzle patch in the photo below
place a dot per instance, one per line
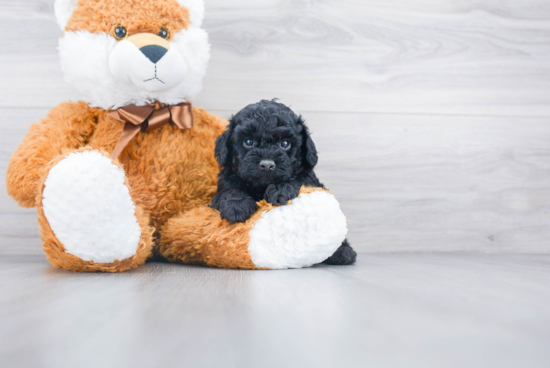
(152, 67)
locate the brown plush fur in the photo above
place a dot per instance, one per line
(68, 126)
(169, 171)
(201, 236)
(137, 16)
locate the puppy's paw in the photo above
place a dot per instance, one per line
(345, 255)
(279, 194)
(237, 210)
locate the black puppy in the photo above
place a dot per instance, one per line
(266, 153)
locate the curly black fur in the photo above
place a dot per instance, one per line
(266, 153)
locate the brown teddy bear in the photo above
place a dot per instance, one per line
(131, 171)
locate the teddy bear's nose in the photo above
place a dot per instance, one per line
(153, 52)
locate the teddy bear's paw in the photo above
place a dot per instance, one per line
(89, 208)
(303, 233)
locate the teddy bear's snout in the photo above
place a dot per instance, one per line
(148, 62)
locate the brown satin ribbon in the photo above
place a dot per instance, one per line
(144, 118)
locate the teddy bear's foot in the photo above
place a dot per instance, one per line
(88, 219)
(302, 233)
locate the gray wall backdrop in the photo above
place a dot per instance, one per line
(432, 117)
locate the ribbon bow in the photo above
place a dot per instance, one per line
(144, 118)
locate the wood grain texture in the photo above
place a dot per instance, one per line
(399, 310)
(406, 182)
(425, 56)
(419, 56)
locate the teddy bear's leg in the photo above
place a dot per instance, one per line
(88, 219)
(302, 233)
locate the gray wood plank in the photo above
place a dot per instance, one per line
(473, 57)
(425, 56)
(406, 182)
(418, 183)
(398, 310)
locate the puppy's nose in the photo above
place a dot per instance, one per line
(153, 52)
(267, 165)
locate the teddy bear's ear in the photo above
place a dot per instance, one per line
(63, 11)
(196, 10)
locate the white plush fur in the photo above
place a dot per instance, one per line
(89, 208)
(65, 8)
(87, 62)
(301, 234)
(141, 72)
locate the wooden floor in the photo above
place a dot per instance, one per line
(389, 310)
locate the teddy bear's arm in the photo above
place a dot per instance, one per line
(68, 126)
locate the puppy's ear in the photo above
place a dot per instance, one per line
(309, 152)
(222, 152)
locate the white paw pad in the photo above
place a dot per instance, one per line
(89, 208)
(301, 234)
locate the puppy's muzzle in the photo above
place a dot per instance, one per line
(267, 165)
(152, 46)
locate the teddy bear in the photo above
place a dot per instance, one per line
(128, 173)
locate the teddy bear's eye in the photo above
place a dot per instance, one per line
(163, 33)
(285, 144)
(120, 32)
(249, 143)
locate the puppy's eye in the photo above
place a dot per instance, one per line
(163, 33)
(249, 143)
(285, 144)
(120, 33)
